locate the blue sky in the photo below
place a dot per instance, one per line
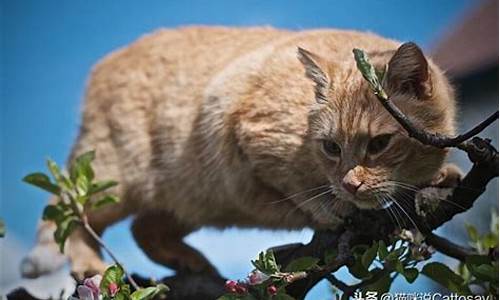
(48, 48)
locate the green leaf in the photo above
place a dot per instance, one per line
(82, 186)
(64, 229)
(52, 212)
(122, 295)
(2, 228)
(382, 250)
(410, 274)
(443, 275)
(358, 250)
(42, 181)
(477, 260)
(481, 267)
(101, 186)
(266, 263)
(394, 255)
(149, 292)
(81, 166)
(237, 297)
(489, 240)
(302, 264)
(398, 266)
(61, 180)
(381, 286)
(485, 272)
(228, 297)
(368, 71)
(358, 270)
(106, 200)
(369, 255)
(112, 274)
(283, 296)
(472, 232)
(330, 255)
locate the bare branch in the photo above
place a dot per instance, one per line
(101, 243)
(433, 139)
(448, 247)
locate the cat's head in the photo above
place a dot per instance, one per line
(366, 155)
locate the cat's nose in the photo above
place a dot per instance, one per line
(351, 185)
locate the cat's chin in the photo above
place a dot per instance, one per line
(368, 204)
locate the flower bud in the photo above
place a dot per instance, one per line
(230, 286)
(113, 289)
(241, 289)
(256, 277)
(272, 290)
(93, 284)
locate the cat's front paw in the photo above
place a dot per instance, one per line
(449, 176)
(44, 259)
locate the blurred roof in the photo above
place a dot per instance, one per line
(471, 44)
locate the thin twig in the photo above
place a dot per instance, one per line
(449, 248)
(337, 283)
(101, 243)
(433, 139)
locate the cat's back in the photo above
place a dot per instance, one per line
(175, 65)
(172, 61)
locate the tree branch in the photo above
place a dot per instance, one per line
(101, 243)
(449, 248)
(433, 139)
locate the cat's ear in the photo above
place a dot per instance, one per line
(408, 72)
(316, 70)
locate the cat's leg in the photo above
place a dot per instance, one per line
(160, 235)
(81, 250)
(448, 176)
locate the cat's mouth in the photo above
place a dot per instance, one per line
(376, 201)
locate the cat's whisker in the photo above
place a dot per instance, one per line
(401, 185)
(296, 195)
(404, 211)
(306, 202)
(388, 209)
(454, 204)
(404, 191)
(399, 218)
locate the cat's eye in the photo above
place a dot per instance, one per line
(379, 143)
(330, 148)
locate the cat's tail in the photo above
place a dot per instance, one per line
(45, 257)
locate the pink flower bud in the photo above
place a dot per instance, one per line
(113, 289)
(241, 289)
(93, 284)
(85, 293)
(272, 290)
(230, 286)
(256, 277)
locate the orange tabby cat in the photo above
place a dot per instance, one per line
(214, 126)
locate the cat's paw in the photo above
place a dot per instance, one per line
(448, 176)
(45, 258)
(427, 200)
